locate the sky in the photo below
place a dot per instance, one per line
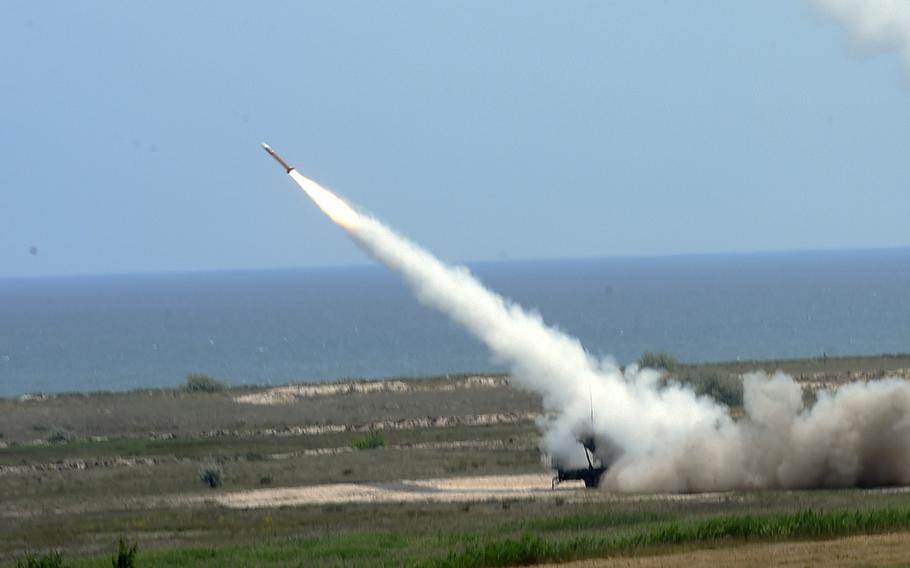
(129, 132)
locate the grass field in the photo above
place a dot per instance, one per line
(129, 466)
(481, 534)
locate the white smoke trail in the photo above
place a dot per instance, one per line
(657, 438)
(877, 25)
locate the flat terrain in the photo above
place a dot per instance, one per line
(163, 413)
(456, 467)
(865, 550)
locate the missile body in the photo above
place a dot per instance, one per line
(279, 159)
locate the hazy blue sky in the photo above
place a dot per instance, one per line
(129, 132)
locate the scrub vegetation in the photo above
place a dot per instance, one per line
(199, 382)
(212, 475)
(661, 361)
(722, 387)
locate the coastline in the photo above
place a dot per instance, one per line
(840, 368)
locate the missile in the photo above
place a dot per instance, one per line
(278, 158)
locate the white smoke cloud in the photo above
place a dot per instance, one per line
(668, 439)
(874, 25)
(657, 437)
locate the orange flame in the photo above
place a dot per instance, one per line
(335, 207)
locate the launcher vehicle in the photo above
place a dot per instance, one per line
(590, 475)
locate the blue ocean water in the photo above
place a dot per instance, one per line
(124, 332)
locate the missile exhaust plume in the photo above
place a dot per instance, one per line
(654, 436)
(332, 205)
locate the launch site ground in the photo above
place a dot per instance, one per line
(440, 472)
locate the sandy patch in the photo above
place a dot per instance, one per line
(291, 393)
(443, 490)
(448, 490)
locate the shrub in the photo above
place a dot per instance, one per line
(370, 441)
(60, 436)
(50, 560)
(126, 555)
(200, 382)
(721, 387)
(212, 475)
(660, 361)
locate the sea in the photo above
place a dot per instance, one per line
(124, 332)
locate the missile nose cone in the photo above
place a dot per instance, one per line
(266, 147)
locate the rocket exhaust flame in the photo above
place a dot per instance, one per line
(330, 204)
(655, 437)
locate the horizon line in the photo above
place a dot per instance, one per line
(474, 262)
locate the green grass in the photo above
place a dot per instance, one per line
(379, 549)
(542, 542)
(589, 521)
(531, 548)
(49, 560)
(370, 441)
